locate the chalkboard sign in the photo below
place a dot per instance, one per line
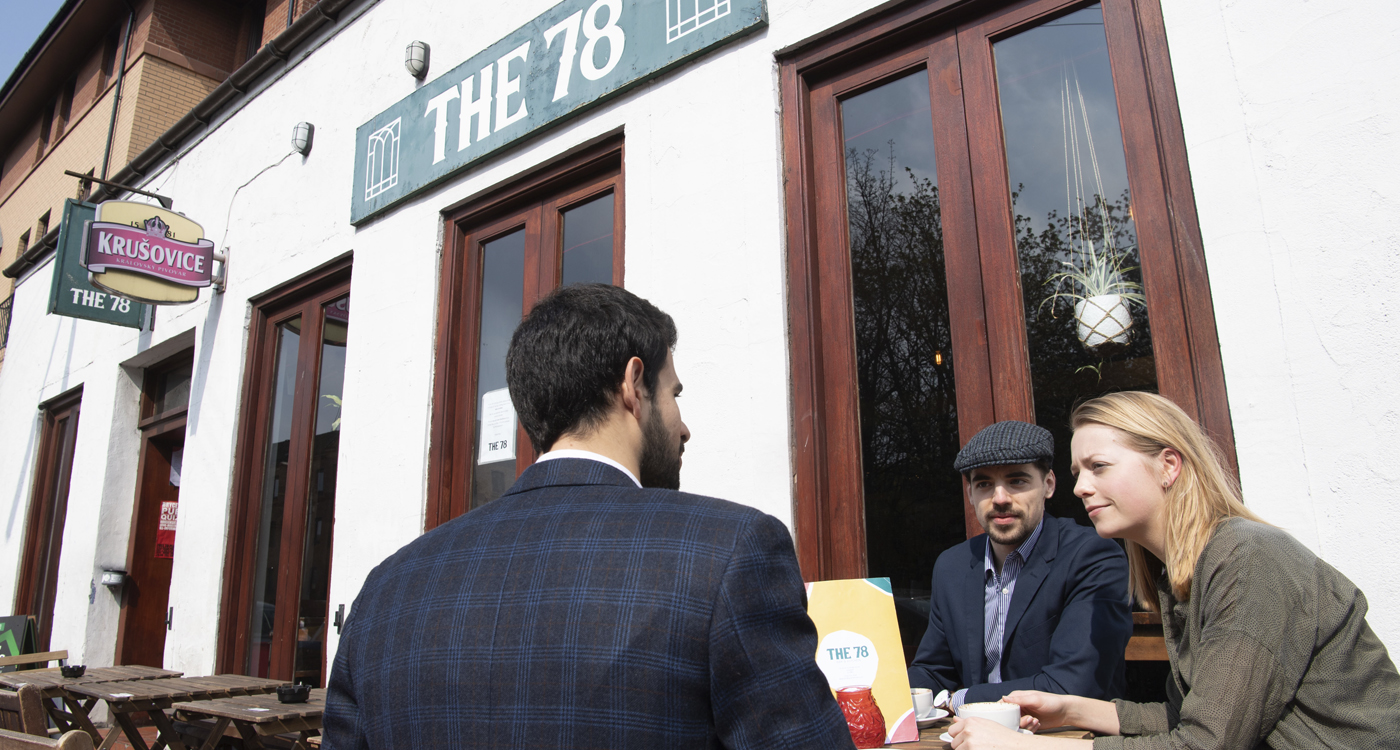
(16, 637)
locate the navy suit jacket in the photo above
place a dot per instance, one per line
(1066, 630)
(580, 611)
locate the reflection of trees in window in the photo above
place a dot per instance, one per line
(908, 406)
(1064, 371)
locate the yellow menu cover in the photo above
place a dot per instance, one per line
(858, 644)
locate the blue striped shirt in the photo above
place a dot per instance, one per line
(996, 601)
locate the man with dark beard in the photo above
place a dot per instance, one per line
(592, 605)
(1037, 602)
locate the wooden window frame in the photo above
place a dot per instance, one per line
(534, 202)
(304, 297)
(49, 480)
(994, 385)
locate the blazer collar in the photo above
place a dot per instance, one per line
(973, 599)
(570, 472)
(1034, 573)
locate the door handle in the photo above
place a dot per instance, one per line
(170, 618)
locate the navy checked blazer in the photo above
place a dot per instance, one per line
(580, 611)
(1066, 630)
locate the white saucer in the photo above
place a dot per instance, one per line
(945, 737)
(927, 721)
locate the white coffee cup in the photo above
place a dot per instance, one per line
(1005, 714)
(923, 701)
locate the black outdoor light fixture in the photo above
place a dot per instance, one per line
(301, 137)
(415, 58)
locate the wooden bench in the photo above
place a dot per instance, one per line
(23, 711)
(42, 658)
(1147, 643)
(75, 740)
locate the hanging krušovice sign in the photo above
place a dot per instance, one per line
(572, 57)
(147, 253)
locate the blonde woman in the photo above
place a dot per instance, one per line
(1269, 645)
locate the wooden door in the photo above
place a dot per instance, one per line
(150, 561)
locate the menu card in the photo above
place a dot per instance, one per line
(858, 644)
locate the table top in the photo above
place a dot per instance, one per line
(259, 709)
(928, 738)
(177, 688)
(52, 678)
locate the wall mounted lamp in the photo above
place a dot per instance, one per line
(415, 58)
(301, 137)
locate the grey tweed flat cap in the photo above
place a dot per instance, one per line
(1008, 442)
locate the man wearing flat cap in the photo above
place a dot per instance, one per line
(1037, 602)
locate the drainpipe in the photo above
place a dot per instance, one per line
(291, 12)
(117, 95)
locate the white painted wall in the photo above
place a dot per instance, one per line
(1291, 111)
(1289, 135)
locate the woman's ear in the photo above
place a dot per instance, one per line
(1170, 463)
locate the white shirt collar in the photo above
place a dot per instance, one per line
(588, 456)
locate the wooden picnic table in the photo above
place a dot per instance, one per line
(153, 697)
(52, 681)
(257, 717)
(55, 685)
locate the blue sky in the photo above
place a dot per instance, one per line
(24, 21)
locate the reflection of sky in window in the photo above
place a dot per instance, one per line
(502, 297)
(897, 111)
(1032, 68)
(588, 242)
(286, 380)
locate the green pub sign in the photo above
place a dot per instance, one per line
(72, 294)
(574, 56)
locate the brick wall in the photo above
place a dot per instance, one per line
(162, 94)
(91, 83)
(276, 20)
(44, 187)
(203, 30)
(20, 158)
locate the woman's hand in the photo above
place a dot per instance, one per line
(984, 734)
(1050, 708)
(1054, 710)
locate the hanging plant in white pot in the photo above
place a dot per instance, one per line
(1095, 274)
(1095, 280)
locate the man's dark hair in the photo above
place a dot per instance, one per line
(568, 357)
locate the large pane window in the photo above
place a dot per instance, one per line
(1087, 328)
(278, 567)
(561, 224)
(48, 513)
(904, 368)
(991, 195)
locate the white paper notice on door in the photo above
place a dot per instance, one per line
(497, 442)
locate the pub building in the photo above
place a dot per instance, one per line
(1190, 197)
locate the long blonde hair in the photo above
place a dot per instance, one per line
(1203, 495)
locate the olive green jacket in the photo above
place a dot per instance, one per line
(1271, 651)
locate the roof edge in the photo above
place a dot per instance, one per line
(231, 91)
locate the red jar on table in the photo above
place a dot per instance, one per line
(863, 717)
